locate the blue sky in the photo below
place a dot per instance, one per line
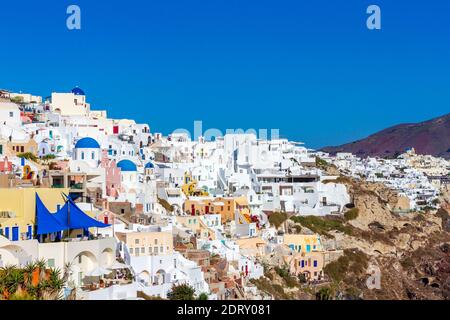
(310, 68)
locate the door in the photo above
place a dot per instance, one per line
(7, 233)
(15, 233)
(29, 232)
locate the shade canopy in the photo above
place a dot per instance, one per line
(75, 218)
(70, 216)
(46, 222)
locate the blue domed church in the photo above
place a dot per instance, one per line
(88, 150)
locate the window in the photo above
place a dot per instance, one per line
(161, 249)
(51, 263)
(150, 250)
(93, 155)
(156, 241)
(82, 155)
(136, 241)
(142, 250)
(11, 114)
(156, 250)
(122, 210)
(315, 263)
(131, 250)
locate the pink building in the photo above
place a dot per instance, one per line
(112, 176)
(5, 165)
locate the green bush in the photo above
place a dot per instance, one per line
(181, 292)
(320, 163)
(325, 293)
(203, 296)
(48, 157)
(322, 225)
(351, 214)
(290, 280)
(28, 155)
(353, 261)
(277, 218)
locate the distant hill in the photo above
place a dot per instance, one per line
(428, 137)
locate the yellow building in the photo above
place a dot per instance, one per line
(15, 147)
(18, 209)
(147, 243)
(308, 263)
(226, 207)
(303, 242)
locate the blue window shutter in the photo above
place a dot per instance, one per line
(315, 263)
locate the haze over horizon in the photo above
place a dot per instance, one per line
(312, 70)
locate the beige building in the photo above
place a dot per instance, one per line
(254, 247)
(147, 243)
(16, 146)
(70, 104)
(226, 207)
(308, 263)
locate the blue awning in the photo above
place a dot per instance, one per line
(71, 215)
(46, 222)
